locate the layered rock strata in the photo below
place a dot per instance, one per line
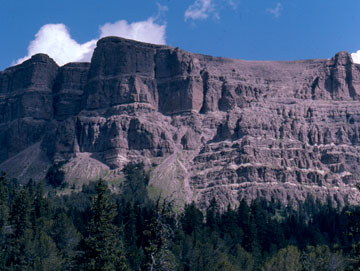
(207, 126)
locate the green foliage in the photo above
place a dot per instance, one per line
(213, 215)
(20, 213)
(192, 219)
(136, 181)
(4, 215)
(29, 245)
(320, 258)
(55, 175)
(102, 249)
(4, 197)
(354, 236)
(242, 259)
(97, 230)
(66, 237)
(287, 259)
(158, 234)
(45, 253)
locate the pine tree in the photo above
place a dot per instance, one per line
(213, 215)
(102, 249)
(242, 259)
(133, 252)
(4, 214)
(354, 235)
(66, 238)
(46, 255)
(20, 241)
(159, 233)
(260, 219)
(286, 259)
(244, 223)
(192, 219)
(4, 197)
(320, 258)
(233, 234)
(134, 187)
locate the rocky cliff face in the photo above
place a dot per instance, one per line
(206, 126)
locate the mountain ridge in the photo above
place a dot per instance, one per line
(207, 126)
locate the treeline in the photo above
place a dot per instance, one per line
(97, 230)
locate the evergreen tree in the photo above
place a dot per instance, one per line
(45, 253)
(244, 223)
(353, 232)
(55, 175)
(66, 237)
(320, 258)
(136, 181)
(259, 220)
(213, 215)
(4, 197)
(102, 249)
(286, 259)
(192, 219)
(4, 215)
(20, 241)
(41, 232)
(242, 259)
(159, 233)
(133, 252)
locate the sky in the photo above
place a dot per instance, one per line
(68, 30)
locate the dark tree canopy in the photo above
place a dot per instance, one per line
(97, 230)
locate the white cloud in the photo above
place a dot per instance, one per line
(161, 12)
(200, 10)
(55, 40)
(146, 31)
(276, 12)
(203, 9)
(356, 57)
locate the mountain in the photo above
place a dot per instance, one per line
(205, 126)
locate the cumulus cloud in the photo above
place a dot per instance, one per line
(146, 31)
(276, 12)
(55, 40)
(356, 57)
(200, 10)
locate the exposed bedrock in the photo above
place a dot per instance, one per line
(208, 127)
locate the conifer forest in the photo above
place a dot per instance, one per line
(42, 229)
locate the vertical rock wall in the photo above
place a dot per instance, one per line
(207, 126)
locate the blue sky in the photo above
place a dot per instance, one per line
(244, 29)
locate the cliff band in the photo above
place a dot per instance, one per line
(207, 126)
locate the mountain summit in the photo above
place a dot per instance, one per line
(206, 126)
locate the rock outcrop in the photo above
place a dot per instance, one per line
(206, 126)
